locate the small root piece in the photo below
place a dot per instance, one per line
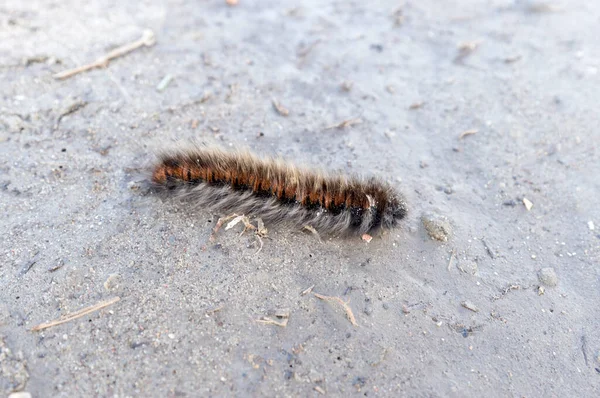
(342, 303)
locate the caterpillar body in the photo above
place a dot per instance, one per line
(278, 192)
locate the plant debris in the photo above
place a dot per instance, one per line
(344, 304)
(467, 132)
(147, 40)
(344, 124)
(75, 315)
(283, 111)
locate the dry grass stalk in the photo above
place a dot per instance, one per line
(75, 315)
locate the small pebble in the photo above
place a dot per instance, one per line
(133, 185)
(111, 281)
(591, 225)
(541, 290)
(20, 394)
(510, 203)
(437, 226)
(468, 267)
(548, 277)
(528, 204)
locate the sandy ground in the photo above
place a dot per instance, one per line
(472, 316)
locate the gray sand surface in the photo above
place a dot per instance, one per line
(471, 316)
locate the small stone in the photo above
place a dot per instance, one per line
(20, 394)
(468, 267)
(470, 306)
(591, 225)
(541, 290)
(386, 306)
(437, 226)
(528, 204)
(368, 310)
(133, 185)
(548, 277)
(510, 203)
(111, 281)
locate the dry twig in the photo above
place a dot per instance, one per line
(283, 315)
(147, 40)
(307, 290)
(75, 315)
(451, 259)
(344, 124)
(215, 310)
(345, 306)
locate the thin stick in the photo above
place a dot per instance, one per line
(451, 258)
(344, 124)
(75, 315)
(268, 321)
(307, 290)
(341, 302)
(147, 40)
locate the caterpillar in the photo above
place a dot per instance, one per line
(277, 191)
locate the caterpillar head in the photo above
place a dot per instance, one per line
(395, 210)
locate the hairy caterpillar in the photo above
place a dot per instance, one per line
(277, 191)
